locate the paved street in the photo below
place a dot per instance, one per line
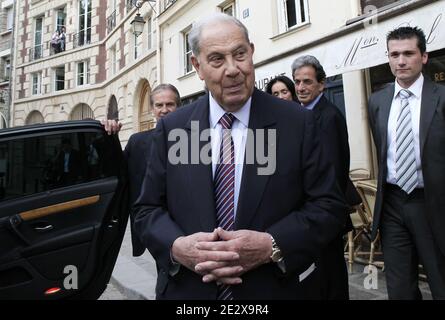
(113, 293)
(134, 278)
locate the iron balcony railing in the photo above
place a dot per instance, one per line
(82, 38)
(36, 52)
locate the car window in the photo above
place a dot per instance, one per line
(40, 163)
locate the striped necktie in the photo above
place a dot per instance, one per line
(224, 188)
(406, 168)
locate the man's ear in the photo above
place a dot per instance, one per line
(196, 65)
(322, 85)
(252, 46)
(425, 58)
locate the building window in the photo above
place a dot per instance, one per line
(5, 64)
(130, 5)
(229, 9)
(150, 34)
(2, 121)
(83, 73)
(60, 18)
(292, 13)
(84, 35)
(34, 117)
(9, 18)
(113, 60)
(375, 4)
(38, 44)
(7, 69)
(82, 112)
(59, 78)
(168, 3)
(137, 46)
(36, 83)
(187, 54)
(4, 96)
(111, 19)
(113, 112)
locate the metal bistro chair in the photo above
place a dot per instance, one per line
(359, 220)
(368, 190)
(359, 174)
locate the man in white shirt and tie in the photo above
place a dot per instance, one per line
(408, 125)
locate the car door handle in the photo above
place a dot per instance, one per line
(44, 228)
(15, 220)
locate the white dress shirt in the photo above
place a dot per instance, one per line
(415, 102)
(239, 136)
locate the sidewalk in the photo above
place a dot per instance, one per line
(135, 277)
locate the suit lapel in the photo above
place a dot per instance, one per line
(383, 110)
(252, 184)
(427, 110)
(146, 144)
(318, 110)
(200, 175)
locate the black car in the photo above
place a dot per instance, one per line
(63, 210)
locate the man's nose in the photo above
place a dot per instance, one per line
(401, 60)
(164, 109)
(232, 69)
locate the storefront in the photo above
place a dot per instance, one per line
(357, 55)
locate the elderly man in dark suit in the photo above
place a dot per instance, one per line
(310, 78)
(163, 99)
(235, 226)
(407, 120)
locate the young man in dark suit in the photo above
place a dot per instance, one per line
(407, 120)
(226, 229)
(310, 77)
(164, 99)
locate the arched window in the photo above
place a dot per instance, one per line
(35, 117)
(81, 112)
(113, 112)
(146, 118)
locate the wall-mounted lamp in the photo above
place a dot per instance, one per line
(137, 25)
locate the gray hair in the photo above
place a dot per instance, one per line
(195, 32)
(166, 86)
(309, 61)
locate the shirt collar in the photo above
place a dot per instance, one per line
(415, 88)
(311, 105)
(216, 112)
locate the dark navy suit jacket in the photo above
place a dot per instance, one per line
(137, 154)
(300, 204)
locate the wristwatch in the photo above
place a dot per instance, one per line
(276, 255)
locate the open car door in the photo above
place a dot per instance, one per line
(63, 210)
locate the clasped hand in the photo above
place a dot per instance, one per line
(223, 256)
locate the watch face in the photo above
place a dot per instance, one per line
(276, 255)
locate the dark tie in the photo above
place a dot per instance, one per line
(225, 187)
(406, 168)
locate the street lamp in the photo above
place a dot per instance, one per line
(137, 25)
